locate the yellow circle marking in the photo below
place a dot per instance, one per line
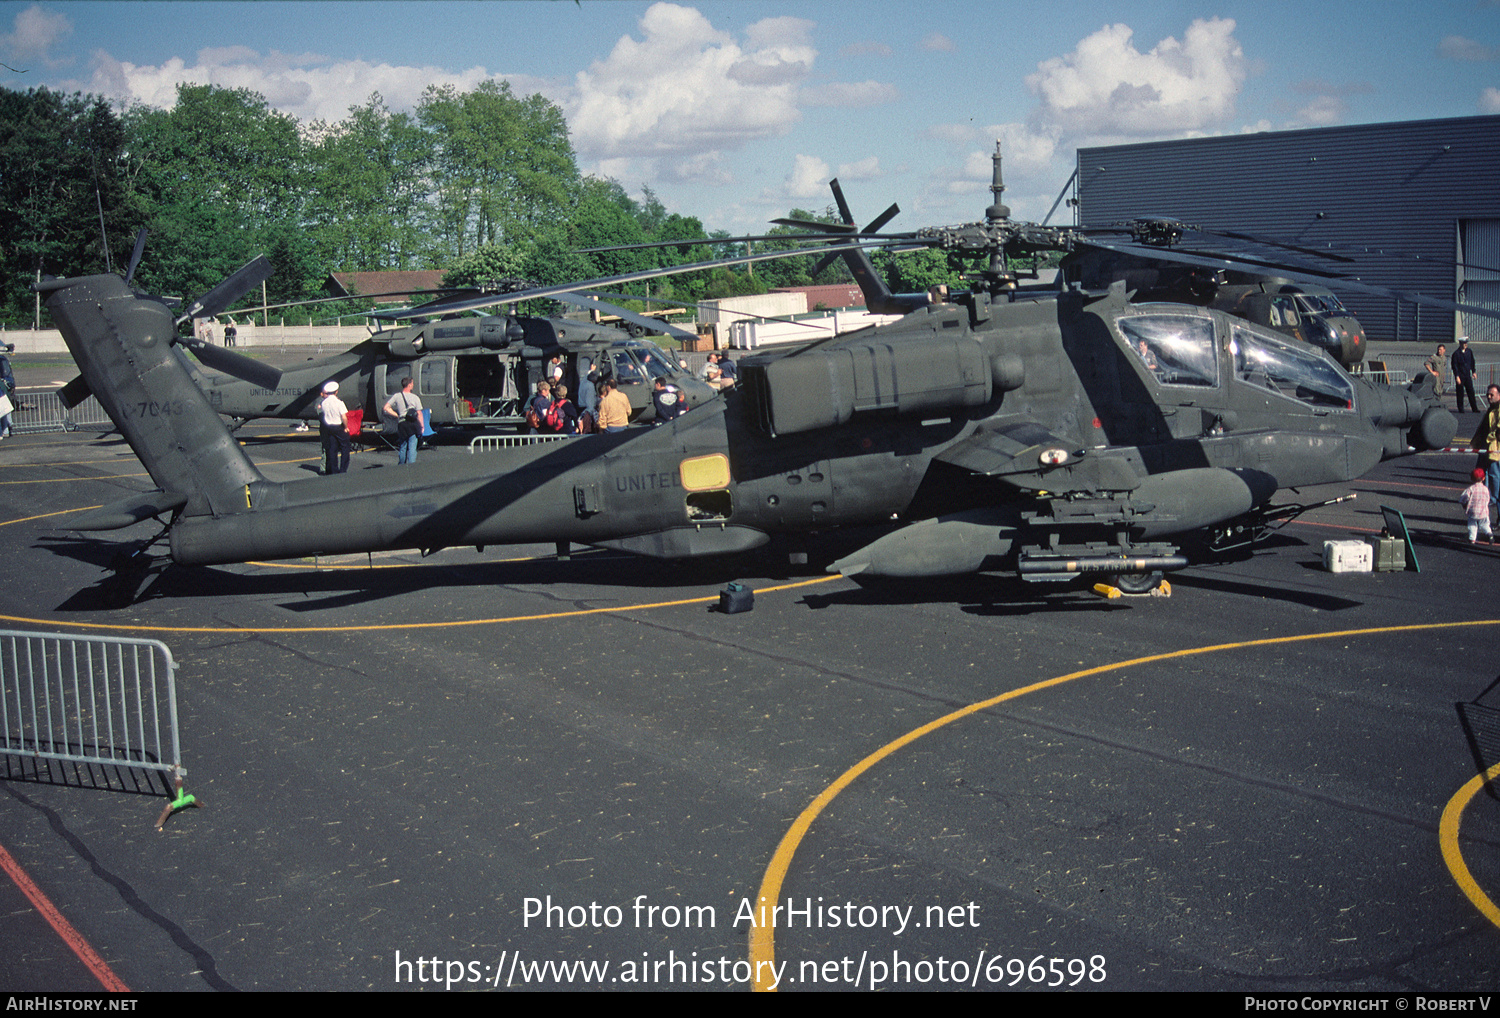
(1448, 841)
(403, 625)
(763, 938)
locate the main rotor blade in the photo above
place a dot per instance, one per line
(1238, 264)
(691, 304)
(241, 282)
(1329, 278)
(230, 363)
(751, 238)
(629, 277)
(811, 224)
(594, 304)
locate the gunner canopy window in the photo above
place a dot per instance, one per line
(1177, 349)
(1290, 370)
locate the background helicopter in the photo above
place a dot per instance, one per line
(1306, 311)
(468, 371)
(1048, 434)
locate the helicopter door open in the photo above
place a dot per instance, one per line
(486, 388)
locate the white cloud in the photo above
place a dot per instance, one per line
(1456, 47)
(848, 94)
(1489, 101)
(1108, 87)
(952, 134)
(865, 169)
(686, 87)
(809, 177)
(1328, 104)
(1322, 111)
(1023, 149)
(34, 32)
(937, 42)
(306, 86)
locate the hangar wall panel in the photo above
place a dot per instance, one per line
(1394, 193)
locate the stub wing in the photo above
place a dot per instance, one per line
(1030, 456)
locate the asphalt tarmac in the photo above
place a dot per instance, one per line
(472, 770)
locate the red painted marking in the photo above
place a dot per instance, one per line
(1334, 526)
(85, 951)
(1408, 484)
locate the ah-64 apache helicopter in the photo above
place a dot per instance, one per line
(1051, 435)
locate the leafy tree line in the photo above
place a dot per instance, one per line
(482, 184)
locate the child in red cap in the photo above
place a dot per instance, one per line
(1476, 503)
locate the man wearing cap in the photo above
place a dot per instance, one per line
(334, 431)
(1463, 374)
(1435, 366)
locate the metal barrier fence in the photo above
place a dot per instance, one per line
(44, 411)
(485, 443)
(94, 701)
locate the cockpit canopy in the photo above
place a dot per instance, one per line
(1289, 369)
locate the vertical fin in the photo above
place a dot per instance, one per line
(122, 342)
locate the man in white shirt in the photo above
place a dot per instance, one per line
(334, 430)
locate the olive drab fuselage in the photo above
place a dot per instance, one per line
(991, 433)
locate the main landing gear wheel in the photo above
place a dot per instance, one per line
(1138, 583)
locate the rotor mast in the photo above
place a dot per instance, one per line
(997, 274)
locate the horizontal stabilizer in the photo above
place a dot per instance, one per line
(128, 512)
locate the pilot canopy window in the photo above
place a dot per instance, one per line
(1290, 370)
(1177, 349)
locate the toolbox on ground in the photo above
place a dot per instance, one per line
(1347, 556)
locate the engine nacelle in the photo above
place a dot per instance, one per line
(819, 388)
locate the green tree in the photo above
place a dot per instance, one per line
(60, 162)
(223, 178)
(502, 166)
(799, 271)
(368, 201)
(914, 271)
(604, 216)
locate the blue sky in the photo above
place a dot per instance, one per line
(738, 110)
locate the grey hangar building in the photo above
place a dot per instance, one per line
(1417, 203)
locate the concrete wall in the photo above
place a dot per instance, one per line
(330, 338)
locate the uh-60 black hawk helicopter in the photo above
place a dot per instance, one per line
(468, 371)
(1050, 435)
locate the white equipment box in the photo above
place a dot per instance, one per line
(1347, 557)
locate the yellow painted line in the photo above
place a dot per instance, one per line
(116, 477)
(1453, 856)
(763, 938)
(61, 480)
(60, 463)
(43, 516)
(451, 624)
